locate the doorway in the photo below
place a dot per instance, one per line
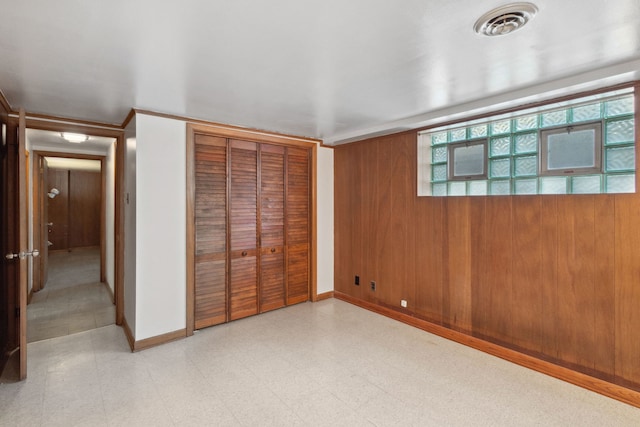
(72, 222)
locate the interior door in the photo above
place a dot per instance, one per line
(243, 229)
(14, 245)
(44, 228)
(271, 225)
(210, 217)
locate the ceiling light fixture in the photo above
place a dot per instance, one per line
(505, 19)
(74, 137)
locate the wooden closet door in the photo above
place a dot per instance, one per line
(243, 229)
(297, 225)
(272, 239)
(210, 230)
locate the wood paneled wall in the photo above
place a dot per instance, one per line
(555, 277)
(75, 212)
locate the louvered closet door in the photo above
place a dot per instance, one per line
(210, 230)
(297, 225)
(272, 207)
(243, 229)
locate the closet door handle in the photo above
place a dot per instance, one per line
(273, 250)
(244, 253)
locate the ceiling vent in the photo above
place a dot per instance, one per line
(505, 19)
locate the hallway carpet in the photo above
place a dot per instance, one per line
(73, 299)
(312, 364)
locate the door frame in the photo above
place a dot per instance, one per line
(39, 197)
(254, 136)
(110, 131)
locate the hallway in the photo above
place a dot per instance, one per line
(73, 299)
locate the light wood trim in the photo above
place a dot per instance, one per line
(128, 334)
(582, 380)
(47, 122)
(103, 220)
(118, 226)
(313, 196)
(191, 234)
(70, 155)
(4, 103)
(22, 244)
(244, 134)
(127, 120)
(324, 296)
(158, 340)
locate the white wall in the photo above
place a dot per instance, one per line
(160, 226)
(325, 220)
(129, 226)
(155, 261)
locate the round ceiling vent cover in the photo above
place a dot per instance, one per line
(505, 19)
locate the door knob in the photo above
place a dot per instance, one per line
(23, 255)
(50, 224)
(273, 250)
(244, 253)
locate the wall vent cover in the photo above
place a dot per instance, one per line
(505, 19)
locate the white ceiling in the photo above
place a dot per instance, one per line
(331, 69)
(43, 140)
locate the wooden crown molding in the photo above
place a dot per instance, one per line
(4, 103)
(233, 131)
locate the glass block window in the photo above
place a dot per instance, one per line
(582, 146)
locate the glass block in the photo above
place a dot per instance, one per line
(621, 183)
(526, 186)
(554, 118)
(439, 154)
(526, 123)
(439, 172)
(526, 143)
(458, 188)
(620, 159)
(618, 107)
(501, 127)
(501, 188)
(500, 146)
(478, 131)
(439, 190)
(500, 168)
(619, 132)
(586, 112)
(478, 188)
(589, 184)
(553, 185)
(526, 166)
(458, 135)
(439, 138)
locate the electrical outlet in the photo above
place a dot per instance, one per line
(403, 303)
(373, 285)
(357, 281)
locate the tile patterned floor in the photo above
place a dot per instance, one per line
(321, 364)
(73, 299)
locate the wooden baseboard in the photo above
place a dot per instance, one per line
(111, 295)
(159, 339)
(128, 334)
(597, 385)
(324, 296)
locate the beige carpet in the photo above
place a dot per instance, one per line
(73, 299)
